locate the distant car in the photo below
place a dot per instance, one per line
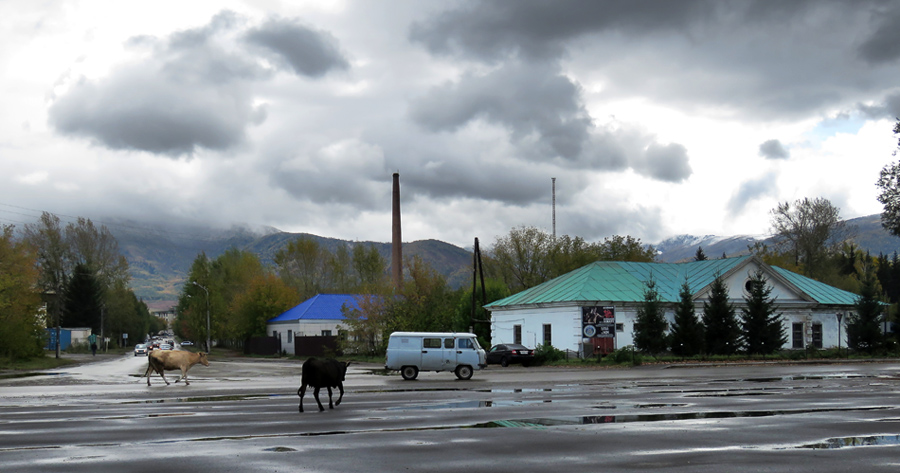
(186, 343)
(165, 346)
(507, 353)
(141, 349)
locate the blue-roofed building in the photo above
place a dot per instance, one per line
(594, 308)
(320, 315)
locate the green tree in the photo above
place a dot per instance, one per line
(426, 303)
(889, 196)
(720, 324)
(864, 325)
(54, 262)
(194, 301)
(97, 250)
(568, 254)
(494, 290)
(700, 255)
(812, 231)
(650, 324)
(521, 259)
(626, 248)
(125, 313)
(369, 266)
(266, 296)
(83, 301)
(21, 330)
(687, 332)
(301, 264)
(762, 327)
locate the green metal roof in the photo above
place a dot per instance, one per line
(618, 281)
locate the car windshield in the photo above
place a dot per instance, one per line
(517, 347)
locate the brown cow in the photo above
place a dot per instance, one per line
(161, 360)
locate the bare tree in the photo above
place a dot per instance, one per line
(811, 229)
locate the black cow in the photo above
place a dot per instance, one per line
(326, 373)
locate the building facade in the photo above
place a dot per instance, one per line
(593, 309)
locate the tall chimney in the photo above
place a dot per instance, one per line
(397, 251)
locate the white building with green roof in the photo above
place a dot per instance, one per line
(593, 308)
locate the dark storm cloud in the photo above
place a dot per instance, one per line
(546, 118)
(133, 110)
(302, 49)
(889, 108)
(751, 190)
(773, 149)
(731, 55)
(489, 30)
(884, 44)
(526, 100)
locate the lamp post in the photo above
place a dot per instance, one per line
(208, 345)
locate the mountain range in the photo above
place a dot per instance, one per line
(161, 256)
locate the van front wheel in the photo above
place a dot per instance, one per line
(409, 372)
(464, 372)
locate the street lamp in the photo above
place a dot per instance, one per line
(208, 345)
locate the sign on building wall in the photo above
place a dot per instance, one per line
(598, 322)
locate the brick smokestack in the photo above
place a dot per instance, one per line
(396, 248)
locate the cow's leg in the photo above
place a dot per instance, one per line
(148, 372)
(316, 395)
(330, 405)
(341, 388)
(301, 392)
(162, 372)
(183, 376)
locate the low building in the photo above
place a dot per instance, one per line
(593, 309)
(164, 310)
(319, 316)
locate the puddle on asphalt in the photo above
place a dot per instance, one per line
(28, 375)
(844, 442)
(733, 394)
(544, 422)
(244, 397)
(280, 449)
(471, 404)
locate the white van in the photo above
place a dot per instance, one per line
(410, 352)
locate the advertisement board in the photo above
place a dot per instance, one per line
(598, 322)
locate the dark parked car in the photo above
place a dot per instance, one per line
(507, 353)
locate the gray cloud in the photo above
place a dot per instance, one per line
(884, 44)
(889, 108)
(535, 29)
(752, 190)
(732, 55)
(304, 50)
(526, 100)
(665, 163)
(546, 118)
(773, 149)
(191, 92)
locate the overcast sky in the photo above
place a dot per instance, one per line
(656, 118)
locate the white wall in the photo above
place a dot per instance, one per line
(566, 324)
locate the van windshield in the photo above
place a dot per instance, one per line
(468, 343)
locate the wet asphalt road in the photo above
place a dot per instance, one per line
(241, 415)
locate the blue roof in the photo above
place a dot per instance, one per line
(319, 307)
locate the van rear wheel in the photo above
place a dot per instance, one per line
(464, 372)
(409, 373)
